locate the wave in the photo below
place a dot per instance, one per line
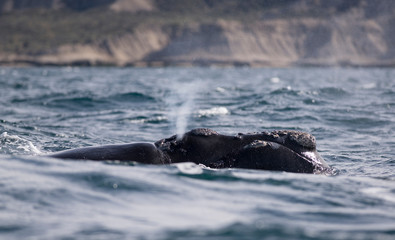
(286, 90)
(333, 92)
(273, 229)
(358, 122)
(152, 120)
(11, 144)
(83, 100)
(131, 97)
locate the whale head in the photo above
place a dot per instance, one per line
(291, 151)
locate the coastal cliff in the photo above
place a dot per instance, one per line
(202, 32)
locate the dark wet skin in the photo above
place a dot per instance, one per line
(290, 151)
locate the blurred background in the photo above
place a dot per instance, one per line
(268, 33)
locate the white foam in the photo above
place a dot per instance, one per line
(220, 89)
(380, 192)
(369, 85)
(275, 80)
(145, 120)
(189, 168)
(16, 144)
(213, 111)
(312, 156)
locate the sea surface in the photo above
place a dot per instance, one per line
(351, 112)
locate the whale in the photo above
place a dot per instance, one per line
(280, 150)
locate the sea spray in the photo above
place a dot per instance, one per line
(14, 144)
(181, 103)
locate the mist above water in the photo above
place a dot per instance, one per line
(181, 104)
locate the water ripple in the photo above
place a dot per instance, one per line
(349, 111)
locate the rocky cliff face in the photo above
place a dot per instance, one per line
(280, 33)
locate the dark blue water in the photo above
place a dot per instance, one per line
(351, 112)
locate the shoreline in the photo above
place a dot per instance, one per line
(282, 34)
(159, 64)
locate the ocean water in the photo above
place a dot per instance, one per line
(351, 112)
